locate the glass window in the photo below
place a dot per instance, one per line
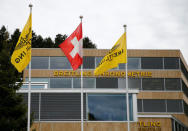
(89, 82)
(37, 79)
(185, 107)
(34, 103)
(134, 63)
(108, 107)
(107, 83)
(39, 62)
(121, 83)
(172, 84)
(88, 62)
(134, 83)
(122, 66)
(171, 63)
(184, 70)
(153, 84)
(76, 83)
(61, 106)
(174, 106)
(154, 105)
(60, 83)
(59, 63)
(98, 60)
(139, 105)
(33, 86)
(184, 88)
(152, 63)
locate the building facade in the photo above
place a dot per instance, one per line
(158, 92)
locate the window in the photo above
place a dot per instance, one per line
(59, 63)
(89, 82)
(76, 83)
(134, 83)
(174, 106)
(152, 63)
(34, 103)
(39, 62)
(154, 105)
(33, 87)
(108, 107)
(172, 84)
(184, 70)
(139, 105)
(98, 60)
(60, 83)
(153, 84)
(61, 106)
(88, 62)
(184, 88)
(171, 63)
(107, 83)
(134, 63)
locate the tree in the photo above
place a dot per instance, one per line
(87, 43)
(13, 113)
(59, 39)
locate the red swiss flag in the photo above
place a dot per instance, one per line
(72, 47)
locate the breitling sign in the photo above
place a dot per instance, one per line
(139, 74)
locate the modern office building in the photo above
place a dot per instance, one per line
(158, 92)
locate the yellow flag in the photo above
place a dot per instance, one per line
(22, 52)
(114, 57)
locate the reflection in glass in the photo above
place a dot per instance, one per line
(88, 62)
(59, 63)
(171, 63)
(153, 84)
(134, 63)
(108, 107)
(39, 62)
(32, 86)
(152, 63)
(60, 83)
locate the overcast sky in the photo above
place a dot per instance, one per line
(151, 24)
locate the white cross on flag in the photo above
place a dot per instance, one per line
(72, 47)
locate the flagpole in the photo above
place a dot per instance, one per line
(127, 89)
(29, 88)
(82, 112)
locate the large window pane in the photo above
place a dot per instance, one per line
(88, 62)
(171, 63)
(152, 63)
(107, 83)
(89, 82)
(61, 107)
(184, 70)
(34, 103)
(154, 105)
(134, 83)
(139, 105)
(152, 84)
(37, 79)
(184, 88)
(98, 60)
(172, 84)
(60, 83)
(59, 63)
(107, 107)
(174, 106)
(134, 63)
(39, 62)
(76, 83)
